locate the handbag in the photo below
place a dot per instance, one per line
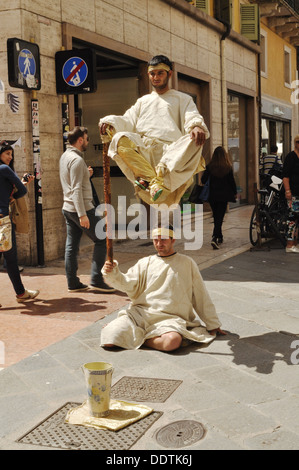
(205, 193)
(5, 234)
(195, 194)
(19, 214)
(199, 193)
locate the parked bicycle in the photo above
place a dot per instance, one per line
(271, 220)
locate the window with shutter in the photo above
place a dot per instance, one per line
(250, 21)
(223, 11)
(201, 4)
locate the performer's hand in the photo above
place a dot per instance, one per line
(84, 221)
(217, 332)
(108, 267)
(198, 135)
(103, 128)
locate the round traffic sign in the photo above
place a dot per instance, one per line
(75, 71)
(26, 63)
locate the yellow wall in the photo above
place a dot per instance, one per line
(274, 85)
(236, 15)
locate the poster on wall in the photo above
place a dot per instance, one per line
(23, 64)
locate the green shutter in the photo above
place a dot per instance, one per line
(200, 4)
(250, 22)
(223, 11)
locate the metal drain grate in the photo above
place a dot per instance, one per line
(55, 432)
(180, 434)
(144, 389)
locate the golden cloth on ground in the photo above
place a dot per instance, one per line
(122, 414)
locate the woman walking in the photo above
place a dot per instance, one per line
(223, 189)
(11, 187)
(291, 186)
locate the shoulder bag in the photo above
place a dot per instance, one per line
(5, 234)
(199, 193)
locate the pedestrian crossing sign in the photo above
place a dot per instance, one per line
(23, 64)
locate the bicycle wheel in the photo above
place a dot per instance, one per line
(253, 229)
(278, 212)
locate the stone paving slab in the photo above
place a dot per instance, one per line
(243, 387)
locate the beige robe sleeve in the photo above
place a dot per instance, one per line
(125, 123)
(133, 282)
(192, 118)
(202, 302)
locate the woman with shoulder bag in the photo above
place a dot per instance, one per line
(223, 189)
(11, 187)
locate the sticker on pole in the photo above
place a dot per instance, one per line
(75, 71)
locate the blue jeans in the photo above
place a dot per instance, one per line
(74, 233)
(11, 261)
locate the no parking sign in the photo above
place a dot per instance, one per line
(75, 71)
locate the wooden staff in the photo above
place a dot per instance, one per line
(107, 195)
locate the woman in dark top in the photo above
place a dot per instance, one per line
(291, 186)
(12, 187)
(223, 189)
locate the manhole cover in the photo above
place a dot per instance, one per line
(55, 432)
(180, 434)
(144, 389)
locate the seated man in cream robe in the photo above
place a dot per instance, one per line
(158, 142)
(168, 300)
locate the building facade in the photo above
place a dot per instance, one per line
(215, 60)
(279, 41)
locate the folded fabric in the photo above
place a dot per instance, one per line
(121, 415)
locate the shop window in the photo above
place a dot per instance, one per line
(264, 54)
(249, 16)
(237, 143)
(287, 67)
(276, 133)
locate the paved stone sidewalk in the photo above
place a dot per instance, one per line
(243, 388)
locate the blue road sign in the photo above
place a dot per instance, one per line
(26, 63)
(75, 71)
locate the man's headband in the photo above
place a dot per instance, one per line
(163, 232)
(160, 66)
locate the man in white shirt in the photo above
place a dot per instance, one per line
(168, 300)
(158, 142)
(79, 213)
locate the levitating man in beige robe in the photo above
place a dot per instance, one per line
(158, 142)
(168, 300)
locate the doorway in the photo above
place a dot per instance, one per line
(199, 91)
